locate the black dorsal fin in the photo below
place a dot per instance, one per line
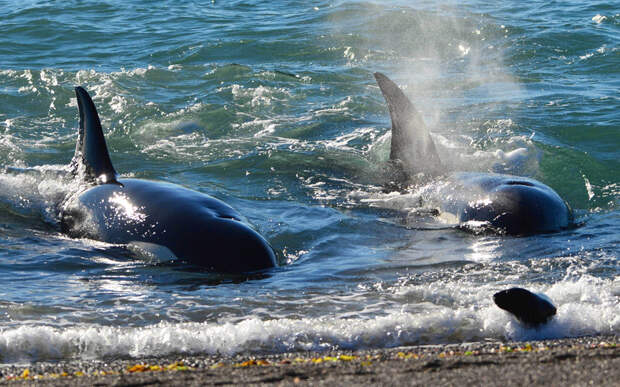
(91, 151)
(412, 145)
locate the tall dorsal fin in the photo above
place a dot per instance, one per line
(91, 151)
(412, 145)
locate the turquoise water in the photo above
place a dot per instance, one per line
(272, 107)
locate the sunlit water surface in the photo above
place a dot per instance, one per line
(272, 107)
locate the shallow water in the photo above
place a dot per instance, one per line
(272, 107)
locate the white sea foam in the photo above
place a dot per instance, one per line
(8, 144)
(600, 50)
(35, 191)
(448, 312)
(259, 96)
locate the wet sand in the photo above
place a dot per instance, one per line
(573, 362)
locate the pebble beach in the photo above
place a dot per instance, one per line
(567, 362)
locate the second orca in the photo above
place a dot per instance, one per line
(504, 203)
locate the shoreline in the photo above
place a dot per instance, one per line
(569, 361)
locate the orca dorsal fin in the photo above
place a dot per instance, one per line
(91, 151)
(411, 145)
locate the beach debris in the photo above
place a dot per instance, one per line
(408, 355)
(604, 344)
(176, 366)
(253, 362)
(419, 354)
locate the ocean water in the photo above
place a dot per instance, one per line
(272, 107)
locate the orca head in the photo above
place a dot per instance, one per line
(206, 232)
(527, 307)
(519, 206)
(223, 245)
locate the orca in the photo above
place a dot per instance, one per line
(493, 202)
(161, 218)
(529, 308)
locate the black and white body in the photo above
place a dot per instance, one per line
(168, 219)
(505, 203)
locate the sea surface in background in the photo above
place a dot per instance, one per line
(272, 107)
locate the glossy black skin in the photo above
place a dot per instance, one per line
(197, 228)
(512, 205)
(503, 203)
(528, 307)
(180, 223)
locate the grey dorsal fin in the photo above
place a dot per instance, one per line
(412, 145)
(91, 150)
